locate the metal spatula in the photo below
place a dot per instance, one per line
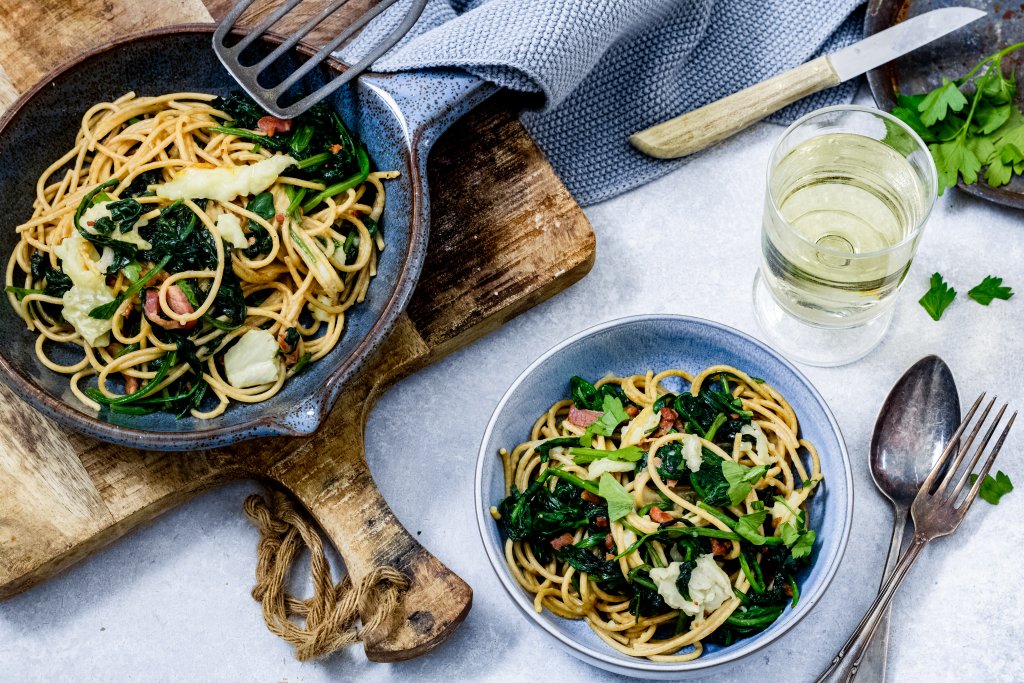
(248, 76)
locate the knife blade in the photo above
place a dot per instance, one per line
(898, 40)
(712, 123)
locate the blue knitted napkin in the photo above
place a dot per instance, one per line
(607, 68)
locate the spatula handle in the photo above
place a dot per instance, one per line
(719, 120)
(329, 476)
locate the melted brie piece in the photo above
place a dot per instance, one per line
(230, 230)
(252, 360)
(224, 184)
(102, 210)
(639, 427)
(708, 587)
(692, 452)
(89, 289)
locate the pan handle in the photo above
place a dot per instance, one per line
(329, 476)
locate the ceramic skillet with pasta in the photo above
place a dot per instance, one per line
(184, 273)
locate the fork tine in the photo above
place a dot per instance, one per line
(330, 47)
(973, 492)
(264, 25)
(964, 449)
(950, 447)
(298, 35)
(977, 454)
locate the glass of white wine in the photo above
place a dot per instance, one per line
(849, 191)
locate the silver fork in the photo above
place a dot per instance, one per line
(269, 97)
(935, 513)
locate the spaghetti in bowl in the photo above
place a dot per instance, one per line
(700, 570)
(44, 124)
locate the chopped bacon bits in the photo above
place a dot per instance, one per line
(787, 590)
(609, 542)
(563, 540)
(632, 411)
(660, 517)
(601, 522)
(583, 418)
(609, 557)
(671, 482)
(131, 384)
(335, 148)
(178, 303)
(668, 419)
(269, 125)
(279, 217)
(590, 497)
(289, 351)
(719, 548)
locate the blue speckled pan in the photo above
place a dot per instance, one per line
(657, 342)
(398, 116)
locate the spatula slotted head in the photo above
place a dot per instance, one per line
(279, 99)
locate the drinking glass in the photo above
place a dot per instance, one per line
(848, 193)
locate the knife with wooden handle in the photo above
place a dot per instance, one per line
(719, 120)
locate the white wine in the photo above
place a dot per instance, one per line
(841, 226)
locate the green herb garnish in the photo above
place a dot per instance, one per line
(990, 288)
(938, 298)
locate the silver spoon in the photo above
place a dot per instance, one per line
(914, 424)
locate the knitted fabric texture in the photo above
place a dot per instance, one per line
(607, 68)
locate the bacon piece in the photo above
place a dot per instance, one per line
(609, 557)
(178, 302)
(787, 590)
(668, 419)
(601, 522)
(563, 540)
(583, 418)
(660, 517)
(609, 542)
(719, 548)
(671, 482)
(279, 217)
(290, 353)
(335, 148)
(131, 384)
(590, 497)
(632, 411)
(270, 125)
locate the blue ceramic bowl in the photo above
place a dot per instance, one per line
(634, 345)
(398, 116)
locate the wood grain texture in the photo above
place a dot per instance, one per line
(719, 120)
(505, 235)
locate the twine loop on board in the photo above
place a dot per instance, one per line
(330, 615)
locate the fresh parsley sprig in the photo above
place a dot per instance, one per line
(988, 289)
(968, 132)
(938, 297)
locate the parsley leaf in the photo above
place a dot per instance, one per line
(582, 456)
(993, 488)
(990, 288)
(938, 297)
(748, 526)
(799, 542)
(605, 425)
(940, 101)
(620, 502)
(741, 479)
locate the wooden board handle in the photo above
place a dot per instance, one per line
(719, 120)
(329, 476)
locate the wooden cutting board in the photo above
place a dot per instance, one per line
(505, 235)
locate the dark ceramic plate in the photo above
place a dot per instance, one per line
(952, 55)
(398, 117)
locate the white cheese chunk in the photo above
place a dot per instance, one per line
(708, 587)
(79, 261)
(252, 360)
(230, 230)
(639, 427)
(320, 314)
(102, 210)
(599, 467)
(224, 184)
(762, 456)
(692, 452)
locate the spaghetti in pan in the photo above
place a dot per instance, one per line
(196, 251)
(664, 520)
